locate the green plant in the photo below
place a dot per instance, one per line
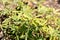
(27, 23)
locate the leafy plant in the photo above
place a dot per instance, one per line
(27, 23)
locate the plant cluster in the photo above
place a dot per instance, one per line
(29, 20)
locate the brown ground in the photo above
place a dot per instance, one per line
(52, 3)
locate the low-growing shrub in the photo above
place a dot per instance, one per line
(21, 21)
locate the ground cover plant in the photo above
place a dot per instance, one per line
(28, 20)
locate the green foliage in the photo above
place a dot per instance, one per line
(27, 23)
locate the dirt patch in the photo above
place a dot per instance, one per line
(52, 3)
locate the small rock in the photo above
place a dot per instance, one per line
(1, 34)
(1, 6)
